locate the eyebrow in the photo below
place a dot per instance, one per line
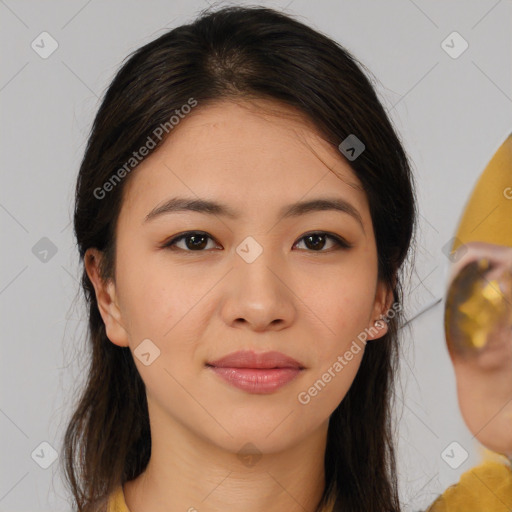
(183, 204)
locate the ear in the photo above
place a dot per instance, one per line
(106, 299)
(382, 304)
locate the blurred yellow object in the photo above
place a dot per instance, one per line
(488, 213)
(474, 305)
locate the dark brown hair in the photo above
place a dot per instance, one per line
(239, 53)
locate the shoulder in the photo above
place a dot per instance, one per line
(487, 486)
(116, 501)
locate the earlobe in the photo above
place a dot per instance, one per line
(106, 299)
(377, 329)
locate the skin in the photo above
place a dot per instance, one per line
(200, 305)
(484, 379)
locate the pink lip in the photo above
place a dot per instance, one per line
(251, 359)
(256, 373)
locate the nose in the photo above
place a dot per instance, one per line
(258, 295)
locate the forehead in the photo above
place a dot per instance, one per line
(249, 153)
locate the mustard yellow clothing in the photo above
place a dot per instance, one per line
(484, 488)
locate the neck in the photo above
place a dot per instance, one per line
(190, 473)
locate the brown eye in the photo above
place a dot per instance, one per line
(316, 242)
(194, 241)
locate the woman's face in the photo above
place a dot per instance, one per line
(252, 279)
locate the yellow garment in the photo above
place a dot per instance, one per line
(116, 501)
(484, 488)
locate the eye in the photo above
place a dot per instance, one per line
(197, 241)
(317, 240)
(194, 241)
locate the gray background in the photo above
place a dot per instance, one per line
(452, 114)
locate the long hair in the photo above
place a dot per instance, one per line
(239, 53)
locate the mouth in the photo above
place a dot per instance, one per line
(251, 359)
(256, 373)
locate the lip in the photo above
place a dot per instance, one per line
(256, 373)
(251, 359)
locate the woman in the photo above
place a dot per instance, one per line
(243, 211)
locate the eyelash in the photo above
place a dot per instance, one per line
(341, 243)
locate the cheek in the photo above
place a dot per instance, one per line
(161, 312)
(155, 297)
(146, 303)
(344, 302)
(344, 308)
